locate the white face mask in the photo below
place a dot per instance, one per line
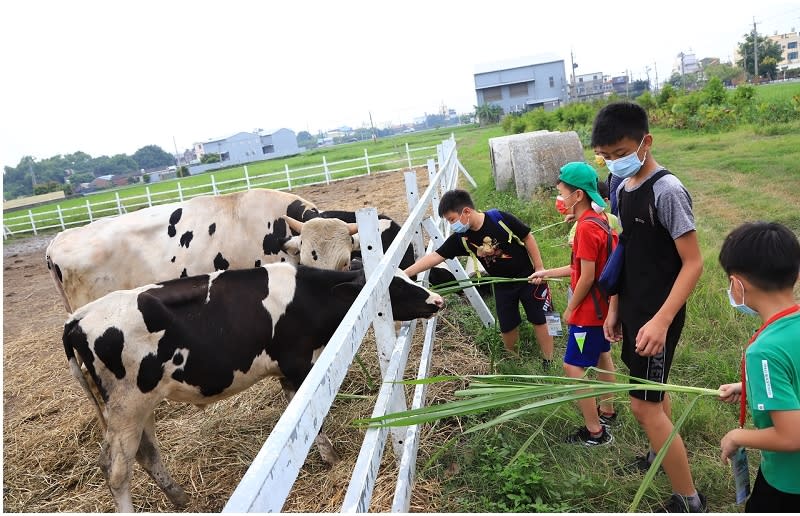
(627, 166)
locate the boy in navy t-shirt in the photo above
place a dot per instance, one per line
(509, 253)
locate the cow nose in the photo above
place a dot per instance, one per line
(437, 300)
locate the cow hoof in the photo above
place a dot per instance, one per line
(329, 457)
(178, 497)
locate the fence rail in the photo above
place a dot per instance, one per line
(268, 481)
(66, 215)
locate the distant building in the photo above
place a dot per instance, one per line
(789, 43)
(108, 181)
(245, 147)
(685, 63)
(590, 86)
(521, 84)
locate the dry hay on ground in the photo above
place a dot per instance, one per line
(52, 440)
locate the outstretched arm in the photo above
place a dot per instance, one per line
(424, 263)
(533, 251)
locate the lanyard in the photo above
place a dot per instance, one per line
(743, 399)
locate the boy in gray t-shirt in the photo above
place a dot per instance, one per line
(662, 264)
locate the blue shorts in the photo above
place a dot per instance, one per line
(594, 343)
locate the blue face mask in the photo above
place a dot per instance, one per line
(458, 226)
(741, 307)
(628, 165)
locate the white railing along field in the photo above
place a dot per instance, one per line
(269, 479)
(62, 217)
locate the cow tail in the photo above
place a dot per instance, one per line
(81, 375)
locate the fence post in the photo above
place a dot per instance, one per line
(327, 172)
(412, 197)
(149, 199)
(288, 176)
(435, 197)
(180, 192)
(408, 155)
(214, 186)
(33, 224)
(119, 204)
(246, 177)
(366, 160)
(89, 209)
(60, 217)
(383, 323)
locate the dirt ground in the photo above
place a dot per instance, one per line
(51, 439)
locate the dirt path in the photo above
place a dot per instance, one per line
(51, 439)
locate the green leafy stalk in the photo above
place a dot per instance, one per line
(451, 287)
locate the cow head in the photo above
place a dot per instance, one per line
(409, 300)
(321, 243)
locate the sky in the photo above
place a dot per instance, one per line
(111, 77)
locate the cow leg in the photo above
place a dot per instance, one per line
(324, 444)
(149, 457)
(117, 455)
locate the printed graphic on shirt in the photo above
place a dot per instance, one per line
(767, 381)
(490, 250)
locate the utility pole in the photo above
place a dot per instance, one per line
(755, 48)
(572, 82)
(32, 173)
(374, 136)
(683, 76)
(177, 159)
(656, 70)
(647, 71)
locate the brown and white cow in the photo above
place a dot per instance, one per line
(201, 339)
(201, 235)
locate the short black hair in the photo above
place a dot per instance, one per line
(455, 201)
(619, 120)
(767, 254)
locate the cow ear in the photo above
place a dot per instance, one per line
(356, 242)
(291, 245)
(348, 291)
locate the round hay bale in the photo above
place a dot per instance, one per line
(538, 158)
(500, 156)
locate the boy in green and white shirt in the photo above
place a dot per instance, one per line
(763, 262)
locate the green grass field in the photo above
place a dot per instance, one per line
(385, 154)
(732, 177)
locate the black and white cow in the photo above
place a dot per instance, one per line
(201, 235)
(201, 339)
(389, 229)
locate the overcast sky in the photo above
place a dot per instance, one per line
(110, 77)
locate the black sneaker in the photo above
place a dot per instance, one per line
(584, 437)
(639, 465)
(605, 419)
(679, 503)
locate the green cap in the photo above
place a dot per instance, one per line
(581, 175)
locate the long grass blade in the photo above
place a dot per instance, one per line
(651, 472)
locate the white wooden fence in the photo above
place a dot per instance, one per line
(269, 479)
(60, 218)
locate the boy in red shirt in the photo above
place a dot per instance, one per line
(587, 308)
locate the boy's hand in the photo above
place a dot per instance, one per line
(569, 218)
(538, 277)
(728, 445)
(612, 328)
(651, 338)
(567, 314)
(730, 392)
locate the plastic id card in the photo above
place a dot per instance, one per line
(553, 320)
(741, 474)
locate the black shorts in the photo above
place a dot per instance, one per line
(535, 300)
(655, 368)
(765, 498)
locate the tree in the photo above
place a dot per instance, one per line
(725, 72)
(488, 113)
(769, 53)
(210, 158)
(153, 156)
(183, 171)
